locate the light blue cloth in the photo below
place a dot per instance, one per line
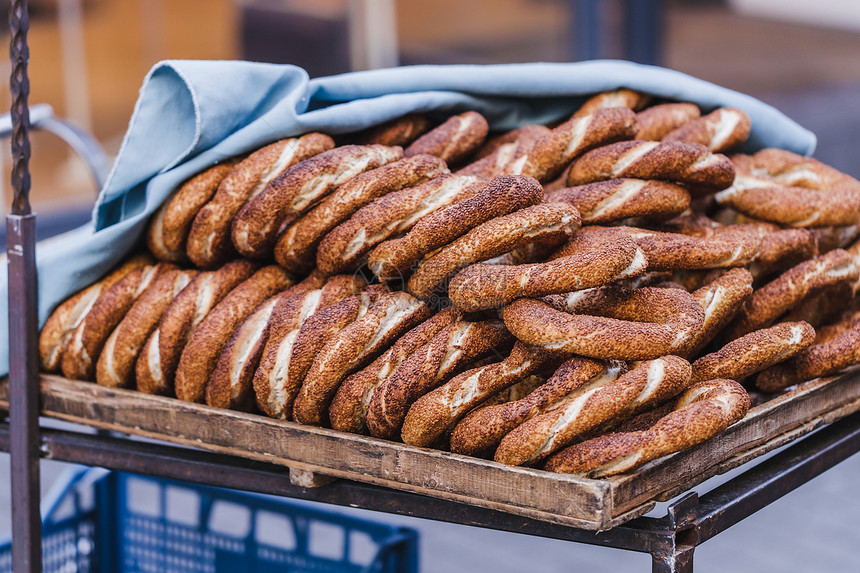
(192, 114)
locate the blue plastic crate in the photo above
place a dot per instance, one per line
(100, 521)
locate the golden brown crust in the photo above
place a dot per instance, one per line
(481, 430)
(782, 249)
(397, 132)
(208, 243)
(528, 133)
(621, 97)
(393, 259)
(437, 411)
(721, 299)
(115, 366)
(62, 323)
(616, 199)
(82, 350)
(204, 347)
(388, 317)
(703, 411)
(156, 364)
(454, 140)
(720, 130)
(169, 228)
(348, 408)
(609, 323)
(754, 352)
(451, 349)
(657, 121)
(344, 247)
(589, 405)
(296, 190)
(669, 160)
(548, 221)
(296, 247)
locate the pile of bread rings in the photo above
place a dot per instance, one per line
(583, 297)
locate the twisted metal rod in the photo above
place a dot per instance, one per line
(19, 53)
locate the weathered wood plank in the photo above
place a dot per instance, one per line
(803, 409)
(568, 500)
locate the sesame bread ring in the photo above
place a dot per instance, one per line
(346, 245)
(781, 249)
(454, 140)
(530, 132)
(393, 259)
(720, 130)
(820, 359)
(208, 244)
(593, 403)
(616, 199)
(849, 319)
(548, 221)
(788, 290)
(508, 156)
(554, 151)
(481, 430)
(453, 348)
(436, 412)
(256, 226)
(609, 323)
(483, 286)
(390, 316)
(677, 161)
(657, 121)
(721, 299)
(204, 348)
(789, 189)
(168, 231)
(297, 246)
(348, 408)
(703, 411)
(754, 352)
(287, 359)
(621, 97)
(159, 357)
(115, 366)
(397, 132)
(831, 237)
(81, 352)
(62, 323)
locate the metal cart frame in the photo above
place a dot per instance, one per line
(670, 540)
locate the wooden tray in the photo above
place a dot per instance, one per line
(569, 500)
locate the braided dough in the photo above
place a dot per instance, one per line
(754, 352)
(293, 192)
(299, 331)
(437, 411)
(83, 347)
(159, 357)
(789, 189)
(115, 366)
(451, 349)
(349, 406)
(344, 247)
(206, 343)
(545, 222)
(720, 130)
(296, 247)
(599, 400)
(505, 154)
(670, 160)
(657, 121)
(481, 430)
(387, 319)
(609, 323)
(63, 322)
(616, 199)
(621, 97)
(703, 411)
(401, 131)
(208, 244)
(454, 140)
(721, 299)
(168, 230)
(394, 258)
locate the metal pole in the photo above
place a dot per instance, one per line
(21, 253)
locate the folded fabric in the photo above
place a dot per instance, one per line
(192, 114)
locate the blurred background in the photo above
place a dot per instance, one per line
(89, 58)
